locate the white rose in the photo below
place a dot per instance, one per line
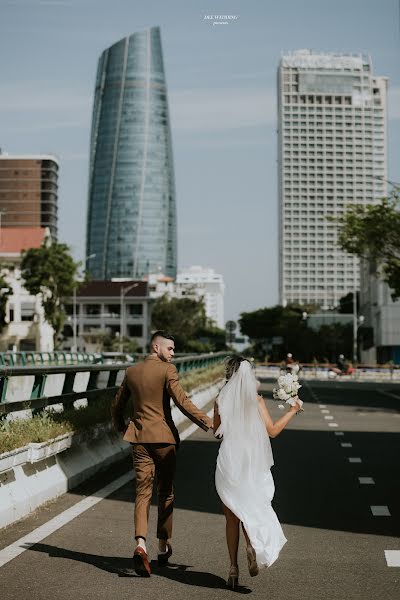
(282, 395)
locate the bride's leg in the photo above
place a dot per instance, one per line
(248, 543)
(251, 555)
(232, 534)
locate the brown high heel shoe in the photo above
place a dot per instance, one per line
(252, 561)
(233, 577)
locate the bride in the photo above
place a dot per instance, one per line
(243, 478)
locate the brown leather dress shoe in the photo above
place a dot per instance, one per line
(141, 562)
(163, 558)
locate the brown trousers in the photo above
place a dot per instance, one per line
(150, 461)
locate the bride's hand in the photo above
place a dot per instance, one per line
(297, 406)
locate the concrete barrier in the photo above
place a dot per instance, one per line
(26, 481)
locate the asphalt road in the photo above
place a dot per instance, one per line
(336, 546)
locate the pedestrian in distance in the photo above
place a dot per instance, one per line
(154, 438)
(243, 477)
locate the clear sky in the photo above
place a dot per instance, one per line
(222, 95)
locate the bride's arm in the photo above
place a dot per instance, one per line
(274, 429)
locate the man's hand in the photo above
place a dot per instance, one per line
(210, 423)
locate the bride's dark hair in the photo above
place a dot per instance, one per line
(232, 363)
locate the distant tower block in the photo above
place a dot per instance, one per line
(131, 225)
(331, 153)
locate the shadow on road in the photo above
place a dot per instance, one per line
(316, 485)
(123, 567)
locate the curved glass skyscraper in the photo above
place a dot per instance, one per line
(131, 226)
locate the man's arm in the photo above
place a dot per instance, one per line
(181, 400)
(118, 405)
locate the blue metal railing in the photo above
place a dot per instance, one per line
(33, 388)
(26, 359)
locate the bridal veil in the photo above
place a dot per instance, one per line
(243, 478)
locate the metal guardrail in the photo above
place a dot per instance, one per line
(32, 389)
(14, 359)
(327, 370)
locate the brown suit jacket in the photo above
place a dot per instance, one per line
(151, 383)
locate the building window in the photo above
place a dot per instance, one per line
(135, 330)
(93, 309)
(135, 309)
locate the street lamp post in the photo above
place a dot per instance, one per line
(74, 319)
(358, 320)
(355, 353)
(123, 293)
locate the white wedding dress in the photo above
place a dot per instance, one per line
(243, 478)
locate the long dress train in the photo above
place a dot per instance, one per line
(243, 477)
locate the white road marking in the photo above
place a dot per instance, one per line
(380, 511)
(38, 534)
(346, 445)
(322, 405)
(333, 425)
(366, 480)
(326, 411)
(328, 417)
(392, 558)
(339, 433)
(354, 459)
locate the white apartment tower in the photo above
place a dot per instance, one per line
(331, 153)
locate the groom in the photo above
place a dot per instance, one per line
(154, 436)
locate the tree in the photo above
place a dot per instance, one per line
(113, 344)
(51, 271)
(287, 323)
(186, 320)
(5, 292)
(346, 304)
(372, 232)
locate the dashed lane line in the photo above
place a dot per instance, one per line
(354, 459)
(380, 511)
(392, 558)
(366, 480)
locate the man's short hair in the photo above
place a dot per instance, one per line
(163, 334)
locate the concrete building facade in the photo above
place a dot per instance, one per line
(332, 152)
(380, 340)
(194, 282)
(114, 308)
(26, 327)
(29, 192)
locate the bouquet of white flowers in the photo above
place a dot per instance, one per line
(288, 387)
